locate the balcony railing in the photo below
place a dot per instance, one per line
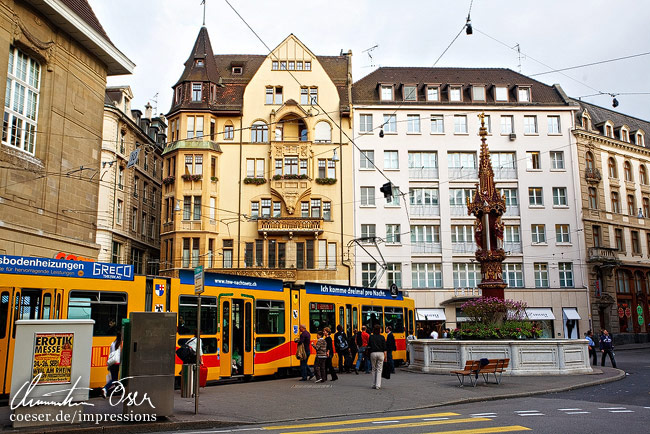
(512, 211)
(462, 173)
(290, 224)
(512, 247)
(505, 173)
(593, 175)
(458, 210)
(602, 254)
(424, 210)
(463, 247)
(423, 173)
(423, 247)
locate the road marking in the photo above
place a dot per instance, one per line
(481, 414)
(569, 409)
(578, 412)
(532, 414)
(436, 418)
(223, 431)
(510, 428)
(387, 421)
(487, 415)
(527, 411)
(400, 425)
(621, 411)
(355, 421)
(611, 408)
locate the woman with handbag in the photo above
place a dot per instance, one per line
(113, 363)
(377, 349)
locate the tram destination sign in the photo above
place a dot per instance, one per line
(350, 291)
(232, 281)
(64, 268)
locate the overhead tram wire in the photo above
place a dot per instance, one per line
(591, 64)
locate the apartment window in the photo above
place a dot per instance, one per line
(255, 210)
(506, 125)
(501, 94)
(304, 209)
(228, 132)
(524, 94)
(410, 93)
(437, 124)
(513, 275)
(390, 123)
(368, 231)
(210, 254)
(541, 274)
(466, 275)
(562, 234)
(618, 240)
(646, 209)
(423, 235)
(533, 160)
(308, 68)
(636, 247)
(433, 93)
(597, 236)
(365, 123)
(290, 165)
(538, 233)
(631, 204)
(557, 160)
(391, 160)
(195, 252)
(119, 211)
(198, 165)
(248, 255)
(553, 124)
(302, 167)
(589, 161)
(292, 65)
(423, 197)
(269, 95)
(616, 204)
(512, 235)
(394, 274)
(460, 124)
(648, 245)
(259, 253)
(136, 260)
(369, 275)
(423, 160)
(627, 171)
(266, 208)
(212, 209)
(190, 127)
(413, 123)
(367, 159)
(313, 95)
(275, 65)
(386, 93)
(304, 95)
(462, 234)
(535, 196)
(255, 168)
(455, 94)
(478, 93)
(327, 211)
(622, 282)
(488, 123)
(143, 223)
(530, 124)
(134, 220)
(196, 92)
(395, 197)
(271, 251)
(186, 252)
(199, 128)
(566, 274)
(503, 160)
(643, 174)
(136, 184)
(145, 187)
(426, 275)
(367, 196)
(459, 196)
(315, 208)
(259, 132)
(393, 235)
(511, 196)
(116, 254)
(593, 198)
(611, 164)
(559, 196)
(120, 178)
(461, 160)
(187, 207)
(179, 94)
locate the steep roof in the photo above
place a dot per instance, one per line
(366, 90)
(85, 12)
(600, 114)
(202, 50)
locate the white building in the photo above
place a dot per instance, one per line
(429, 150)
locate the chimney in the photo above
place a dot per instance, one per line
(147, 111)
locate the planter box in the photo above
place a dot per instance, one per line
(527, 357)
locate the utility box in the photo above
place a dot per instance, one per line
(187, 380)
(148, 362)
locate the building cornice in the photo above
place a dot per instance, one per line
(464, 108)
(604, 140)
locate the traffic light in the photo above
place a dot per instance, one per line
(387, 189)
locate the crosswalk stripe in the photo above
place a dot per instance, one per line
(393, 426)
(532, 414)
(355, 421)
(611, 408)
(621, 411)
(569, 409)
(578, 412)
(510, 428)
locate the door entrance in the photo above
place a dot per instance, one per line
(237, 337)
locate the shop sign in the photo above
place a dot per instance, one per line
(621, 312)
(640, 320)
(53, 357)
(639, 310)
(628, 312)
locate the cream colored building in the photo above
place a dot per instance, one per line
(257, 175)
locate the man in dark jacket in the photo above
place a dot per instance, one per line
(305, 340)
(330, 353)
(607, 348)
(390, 347)
(342, 349)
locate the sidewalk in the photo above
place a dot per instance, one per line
(267, 401)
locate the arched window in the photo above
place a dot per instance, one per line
(589, 158)
(585, 122)
(323, 132)
(643, 174)
(612, 168)
(259, 132)
(627, 169)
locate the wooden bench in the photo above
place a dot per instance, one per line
(472, 368)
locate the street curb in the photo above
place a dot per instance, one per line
(210, 424)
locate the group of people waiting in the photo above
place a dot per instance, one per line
(369, 350)
(605, 345)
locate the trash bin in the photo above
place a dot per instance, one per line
(187, 380)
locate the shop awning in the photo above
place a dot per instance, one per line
(539, 313)
(570, 313)
(437, 314)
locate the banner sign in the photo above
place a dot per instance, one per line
(350, 291)
(53, 357)
(63, 268)
(232, 281)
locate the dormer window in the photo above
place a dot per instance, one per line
(196, 92)
(639, 139)
(410, 92)
(455, 94)
(178, 94)
(501, 94)
(585, 122)
(478, 93)
(433, 93)
(609, 131)
(237, 70)
(386, 93)
(624, 135)
(523, 94)
(199, 62)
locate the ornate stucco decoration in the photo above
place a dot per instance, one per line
(44, 49)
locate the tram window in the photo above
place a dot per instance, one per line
(265, 343)
(411, 328)
(103, 307)
(395, 318)
(341, 315)
(225, 334)
(187, 311)
(58, 306)
(248, 335)
(269, 317)
(355, 319)
(4, 313)
(321, 315)
(371, 315)
(208, 345)
(16, 311)
(47, 304)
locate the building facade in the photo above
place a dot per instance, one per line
(55, 57)
(253, 170)
(418, 128)
(128, 214)
(614, 161)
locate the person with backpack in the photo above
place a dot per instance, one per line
(342, 348)
(352, 342)
(390, 347)
(362, 360)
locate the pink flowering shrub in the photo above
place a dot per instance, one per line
(493, 318)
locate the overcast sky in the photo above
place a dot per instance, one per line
(158, 35)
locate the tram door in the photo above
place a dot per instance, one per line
(236, 337)
(15, 304)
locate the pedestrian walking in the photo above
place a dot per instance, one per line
(342, 349)
(321, 358)
(363, 360)
(330, 353)
(607, 348)
(390, 347)
(113, 363)
(377, 349)
(592, 347)
(305, 340)
(354, 349)
(409, 338)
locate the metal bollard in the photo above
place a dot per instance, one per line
(187, 380)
